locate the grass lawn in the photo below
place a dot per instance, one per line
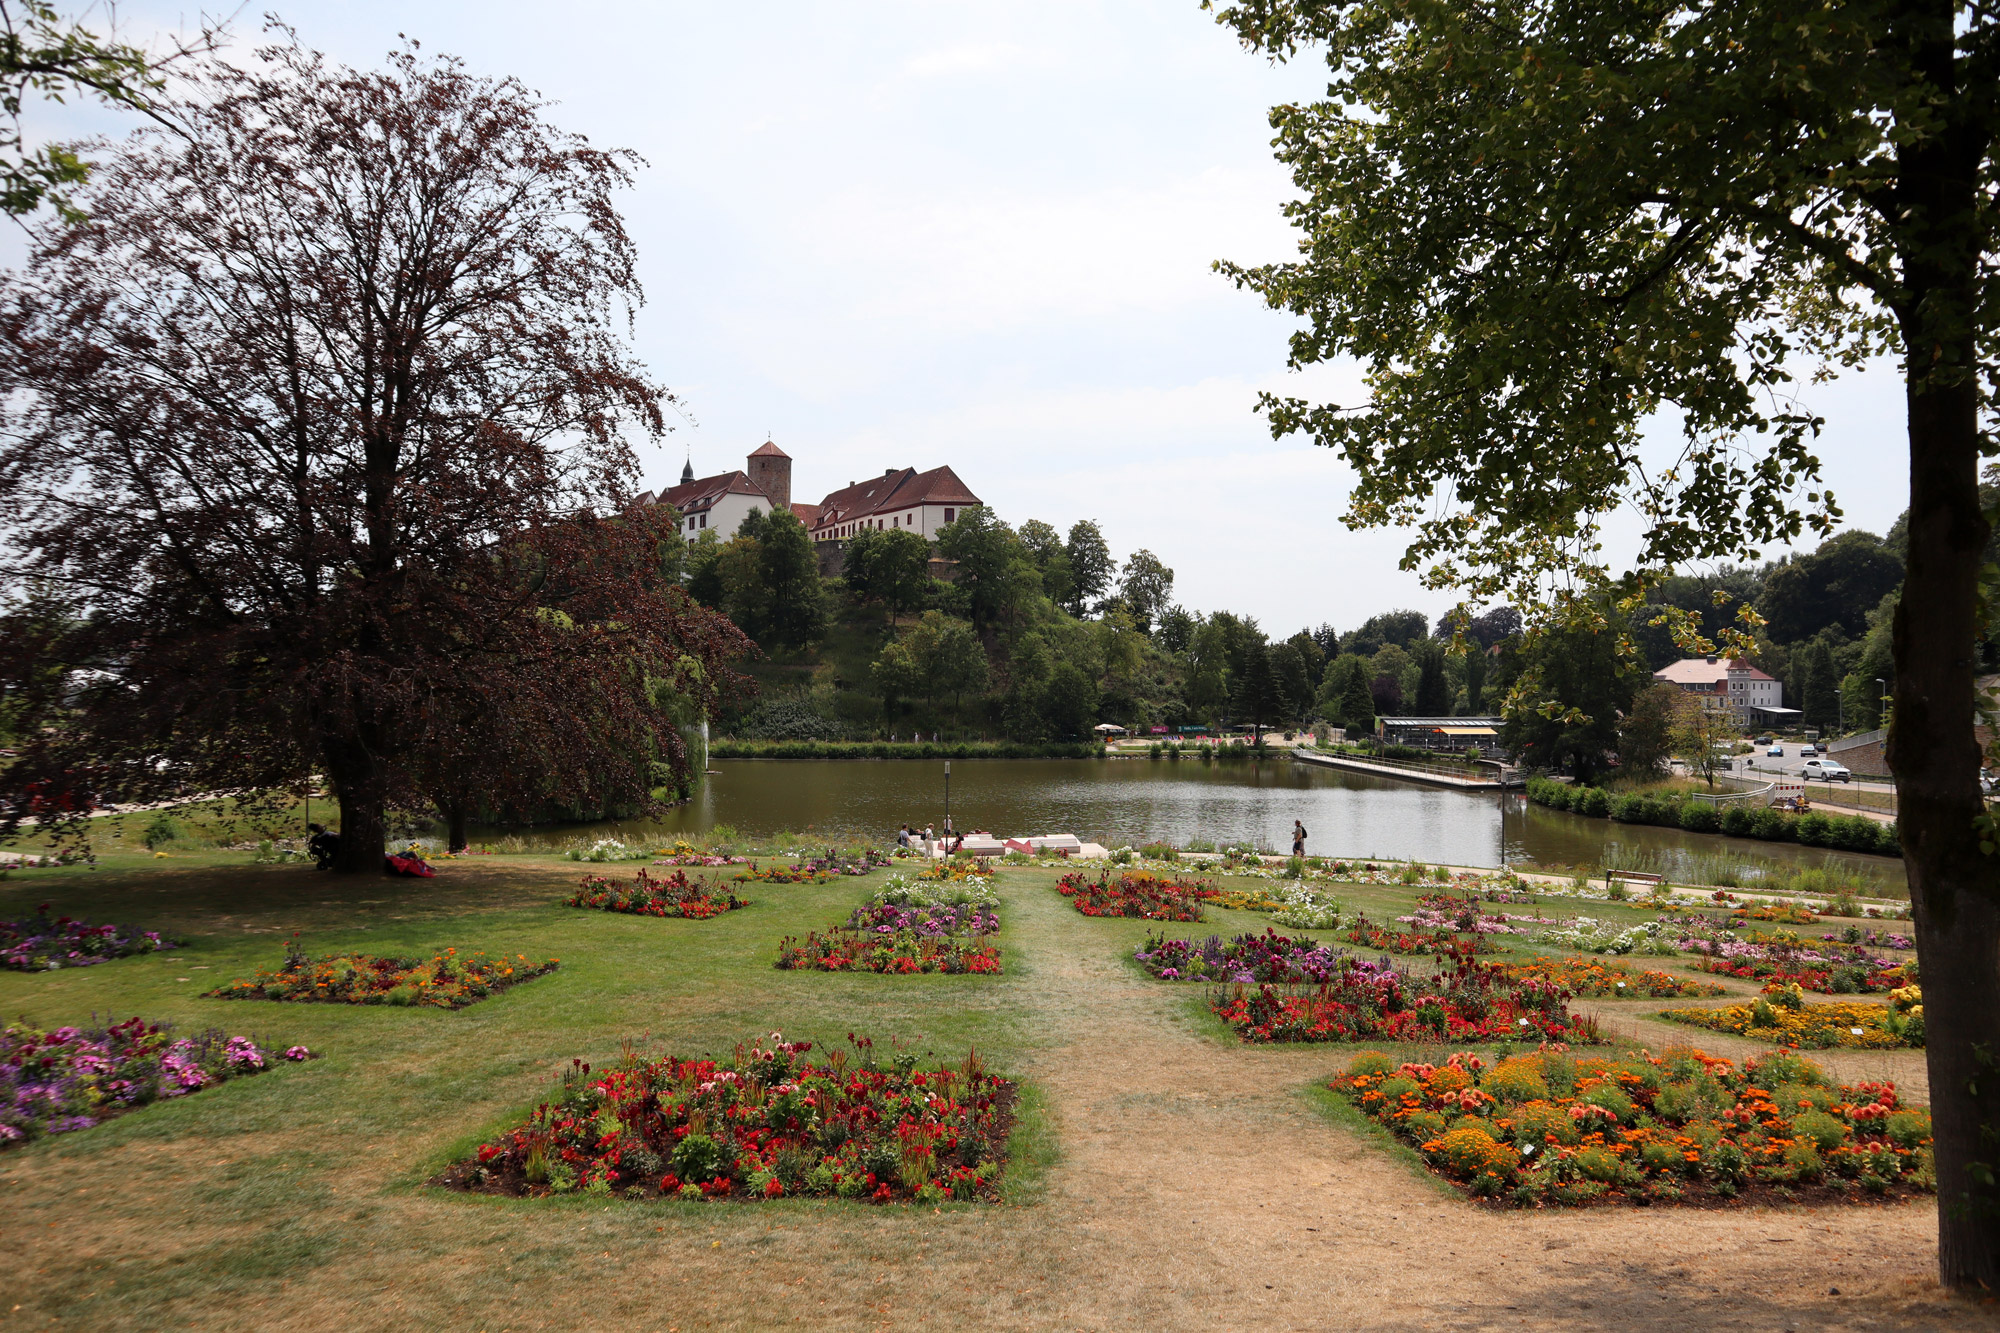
(1163, 1174)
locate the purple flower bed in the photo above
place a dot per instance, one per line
(74, 1078)
(1270, 957)
(40, 944)
(934, 923)
(1872, 939)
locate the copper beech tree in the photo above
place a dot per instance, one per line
(1536, 222)
(312, 442)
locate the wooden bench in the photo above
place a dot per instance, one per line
(1632, 877)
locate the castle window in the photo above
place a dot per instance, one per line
(947, 515)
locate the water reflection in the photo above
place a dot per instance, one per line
(1117, 801)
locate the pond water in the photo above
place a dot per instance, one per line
(1119, 801)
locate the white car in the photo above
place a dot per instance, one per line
(1826, 770)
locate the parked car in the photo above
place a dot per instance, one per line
(1776, 751)
(1827, 770)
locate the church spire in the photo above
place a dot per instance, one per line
(687, 471)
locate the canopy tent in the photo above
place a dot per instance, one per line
(1109, 728)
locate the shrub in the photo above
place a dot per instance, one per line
(1739, 821)
(1825, 1132)
(1700, 817)
(1538, 1121)
(1908, 1129)
(1774, 825)
(162, 829)
(1629, 808)
(1596, 801)
(1369, 1062)
(1814, 829)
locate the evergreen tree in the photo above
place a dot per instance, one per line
(1433, 697)
(1819, 695)
(1258, 697)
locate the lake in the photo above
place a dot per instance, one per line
(1119, 801)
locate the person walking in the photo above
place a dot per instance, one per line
(903, 836)
(1298, 838)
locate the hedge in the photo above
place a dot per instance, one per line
(1847, 833)
(902, 750)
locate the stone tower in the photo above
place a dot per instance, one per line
(771, 472)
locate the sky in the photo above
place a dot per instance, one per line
(976, 234)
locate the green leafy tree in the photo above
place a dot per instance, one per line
(1834, 586)
(888, 565)
(1819, 686)
(1646, 732)
(1587, 683)
(794, 598)
(1473, 673)
(1069, 702)
(1176, 629)
(704, 569)
(1433, 693)
(1147, 585)
(1537, 225)
(993, 571)
(1311, 656)
(1258, 697)
(1045, 547)
(1295, 682)
(43, 54)
(1090, 564)
(1400, 628)
(1344, 694)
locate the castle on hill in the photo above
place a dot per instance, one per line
(901, 498)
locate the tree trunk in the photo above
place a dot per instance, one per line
(454, 825)
(363, 833)
(1954, 888)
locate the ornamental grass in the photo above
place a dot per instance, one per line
(1136, 893)
(1584, 976)
(1375, 1000)
(42, 944)
(1782, 1016)
(767, 1123)
(1551, 1129)
(448, 980)
(1250, 959)
(60, 1081)
(675, 895)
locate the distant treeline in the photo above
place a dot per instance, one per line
(904, 750)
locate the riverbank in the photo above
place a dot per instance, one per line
(903, 750)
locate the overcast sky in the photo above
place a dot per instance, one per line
(976, 234)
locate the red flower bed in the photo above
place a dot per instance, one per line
(1137, 894)
(765, 1124)
(1442, 943)
(676, 895)
(1371, 1001)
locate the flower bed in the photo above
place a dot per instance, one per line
(1247, 958)
(1375, 1000)
(448, 980)
(1830, 970)
(768, 1123)
(685, 854)
(959, 872)
(1442, 911)
(884, 937)
(1594, 936)
(73, 1078)
(1551, 1129)
(1441, 943)
(40, 944)
(675, 895)
(1138, 893)
(1783, 1016)
(803, 873)
(915, 891)
(1582, 976)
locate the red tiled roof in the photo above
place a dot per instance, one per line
(768, 450)
(698, 495)
(806, 514)
(898, 488)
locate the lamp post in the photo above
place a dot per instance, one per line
(1882, 700)
(947, 802)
